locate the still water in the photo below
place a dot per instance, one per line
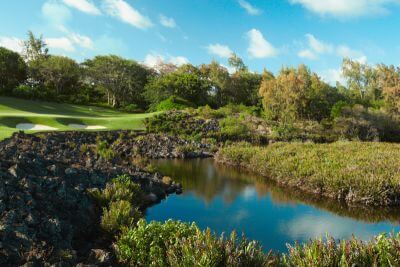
(225, 199)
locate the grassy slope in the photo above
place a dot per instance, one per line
(367, 173)
(14, 111)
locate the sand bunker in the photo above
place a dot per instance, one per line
(35, 127)
(87, 127)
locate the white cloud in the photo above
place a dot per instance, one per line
(249, 8)
(154, 59)
(56, 13)
(126, 13)
(167, 22)
(347, 52)
(179, 61)
(11, 43)
(61, 43)
(220, 50)
(85, 6)
(81, 40)
(332, 76)
(307, 54)
(318, 46)
(259, 47)
(230, 69)
(346, 8)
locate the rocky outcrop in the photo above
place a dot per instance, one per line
(46, 213)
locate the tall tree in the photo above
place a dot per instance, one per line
(60, 76)
(12, 70)
(296, 93)
(122, 79)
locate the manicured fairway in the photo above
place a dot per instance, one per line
(62, 117)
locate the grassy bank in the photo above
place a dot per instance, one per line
(14, 111)
(354, 172)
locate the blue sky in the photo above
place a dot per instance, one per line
(265, 33)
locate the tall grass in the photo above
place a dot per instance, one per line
(354, 172)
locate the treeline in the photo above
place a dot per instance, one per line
(122, 83)
(294, 94)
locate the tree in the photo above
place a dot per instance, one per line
(237, 63)
(122, 79)
(361, 81)
(389, 82)
(12, 70)
(296, 94)
(219, 82)
(60, 76)
(186, 82)
(34, 48)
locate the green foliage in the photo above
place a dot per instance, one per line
(122, 80)
(13, 70)
(120, 188)
(120, 214)
(233, 128)
(364, 173)
(131, 108)
(381, 251)
(185, 83)
(179, 244)
(24, 91)
(104, 151)
(297, 94)
(172, 103)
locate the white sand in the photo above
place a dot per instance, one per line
(86, 127)
(36, 127)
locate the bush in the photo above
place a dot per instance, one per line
(131, 108)
(233, 128)
(120, 188)
(172, 103)
(118, 215)
(24, 91)
(104, 151)
(180, 244)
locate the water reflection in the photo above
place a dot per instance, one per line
(226, 199)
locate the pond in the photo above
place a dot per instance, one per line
(225, 199)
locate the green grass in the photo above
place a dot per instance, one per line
(354, 172)
(14, 111)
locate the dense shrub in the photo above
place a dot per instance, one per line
(172, 103)
(24, 91)
(120, 188)
(13, 70)
(104, 151)
(179, 244)
(381, 251)
(118, 215)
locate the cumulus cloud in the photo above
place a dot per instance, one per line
(250, 9)
(12, 43)
(220, 50)
(85, 6)
(346, 8)
(154, 59)
(259, 47)
(126, 13)
(317, 47)
(167, 22)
